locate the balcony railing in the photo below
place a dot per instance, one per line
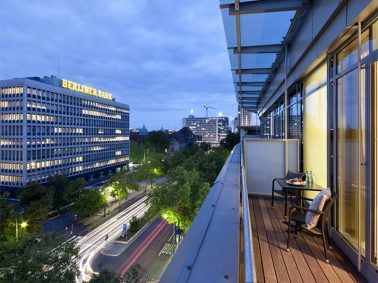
(210, 249)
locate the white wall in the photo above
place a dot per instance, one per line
(265, 160)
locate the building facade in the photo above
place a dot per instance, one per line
(50, 126)
(211, 129)
(244, 116)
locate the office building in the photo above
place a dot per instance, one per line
(51, 126)
(244, 116)
(211, 129)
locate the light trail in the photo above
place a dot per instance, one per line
(141, 248)
(94, 241)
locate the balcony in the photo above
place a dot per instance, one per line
(304, 263)
(217, 248)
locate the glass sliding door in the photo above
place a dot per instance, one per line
(355, 84)
(350, 144)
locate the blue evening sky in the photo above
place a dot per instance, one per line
(161, 57)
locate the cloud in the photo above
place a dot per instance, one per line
(161, 57)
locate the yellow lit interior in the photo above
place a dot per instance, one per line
(315, 126)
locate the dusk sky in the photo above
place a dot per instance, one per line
(162, 57)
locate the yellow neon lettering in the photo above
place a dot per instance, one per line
(85, 89)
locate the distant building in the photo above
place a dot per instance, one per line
(244, 117)
(143, 131)
(236, 125)
(138, 135)
(211, 129)
(51, 126)
(182, 139)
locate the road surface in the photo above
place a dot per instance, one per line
(95, 240)
(151, 249)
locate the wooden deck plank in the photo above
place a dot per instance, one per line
(308, 267)
(315, 258)
(279, 263)
(267, 261)
(256, 246)
(288, 258)
(319, 255)
(342, 266)
(304, 263)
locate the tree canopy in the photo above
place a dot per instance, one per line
(42, 259)
(106, 276)
(89, 202)
(230, 141)
(190, 175)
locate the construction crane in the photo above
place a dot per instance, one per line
(207, 107)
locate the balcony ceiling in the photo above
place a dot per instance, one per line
(256, 34)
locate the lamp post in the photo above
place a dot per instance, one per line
(23, 225)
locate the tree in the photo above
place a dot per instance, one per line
(36, 203)
(157, 141)
(179, 199)
(121, 184)
(106, 276)
(135, 224)
(136, 274)
(44, 259)
(230, 141)
(58, 184)
(137, 152)
(7, 229)
(190, 173)
(75, 189)
(89, 202)
(33, 191)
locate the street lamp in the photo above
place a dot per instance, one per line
(165, 216)
(23, 224)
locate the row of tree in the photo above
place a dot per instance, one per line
(190, 174)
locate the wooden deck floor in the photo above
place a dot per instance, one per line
(304, 263)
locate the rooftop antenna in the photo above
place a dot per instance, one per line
(207, 107)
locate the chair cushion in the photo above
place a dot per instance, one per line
(317, 204)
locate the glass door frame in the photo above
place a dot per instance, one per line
(363, 263)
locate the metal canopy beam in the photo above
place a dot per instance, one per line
(266, 6)
(271, 48)
(247, 98)
(248, 95)
(256, 92)
(251, 84)
(251, 102)
(253, 71)
(244, 102)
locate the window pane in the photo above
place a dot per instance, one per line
(347, 57)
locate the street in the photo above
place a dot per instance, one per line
(151, 249)
(94, 241)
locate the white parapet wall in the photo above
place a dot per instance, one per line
(266, 159)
